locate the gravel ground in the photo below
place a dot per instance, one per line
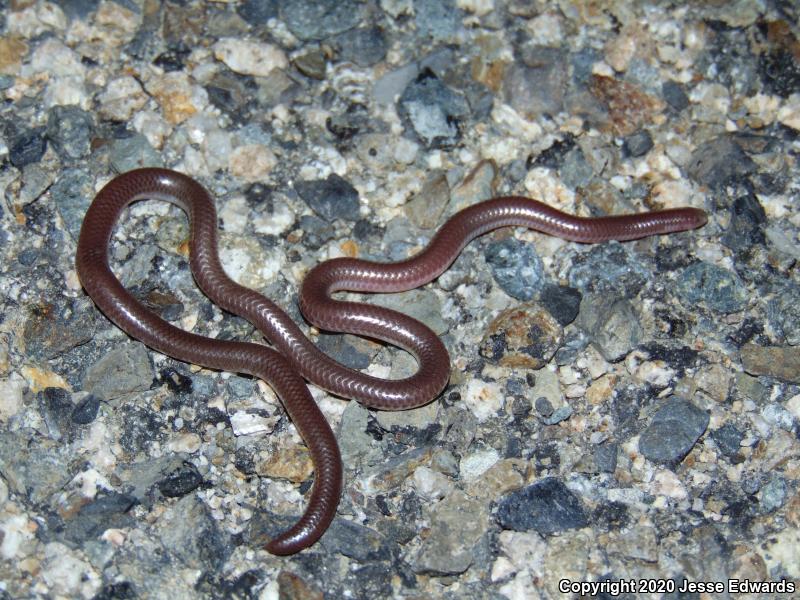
(623, 413)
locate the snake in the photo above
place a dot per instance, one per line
(292, 358)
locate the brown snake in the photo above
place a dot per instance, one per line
(294, 356)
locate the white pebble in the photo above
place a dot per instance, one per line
(484, 399)
(250, 58)
(476, 464)
(431, 485)
(789, 113)
(122, 97)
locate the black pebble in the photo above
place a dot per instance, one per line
(674, 95)
(562, 302)
(28, 148)
(86, 410)
(547, 507)
(181, 481)
(638, 143)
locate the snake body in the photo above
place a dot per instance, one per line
(293, 357)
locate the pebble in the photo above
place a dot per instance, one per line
(85, 410)
(544, 407)
(252, 162)
(56, 408)
(674, 95)
(187, 443)
(611, 325)
(609, 267)
(355, 443)
(56, 58)
(782, 362)
(536, 85)
(177, 96)
(72, 193)
(70, 130)
(316, 232)
(122, 98)
(133, 152)
(421, 418)
(52, 329)
(773, 494)
(331, 198)
(392, 84)
(457, 524)
(27, 147)
(638, 143)
(257, 12)
(728, 439)
(364, 46)
(351, 351)
(152, 127)
(444, 461)
(776, 415)
(250, 422)
(433, 110)
(35, 181)
(749, 388)
(389, 474)
(561, 301)
(430, 485)
(546, 507)
(516, 268)
(118, 22)
(420, 304)
(440, 20)
(292, 463)
(292, 586)
(317, 20)
(500, 478)
(479, 184)
(576, 172)
(67, 574)
(718, 161)
(474, 465)
(356, 541)
(719, 289)
(188, 531)
(548, 399)
(250, 58)
(525, 336)
(783, 312)
(673, 431)
(778, 71)
(789, 113)
(12, 52)
(35, 472)
(123, 370)
(312, 64)
(744, 230)
(605, 456)
(181, 481)
(629, 107)
(425, 209)
(484, 399)
(715, 380)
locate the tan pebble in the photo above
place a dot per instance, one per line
(252, 162)
(349, 248)
(12, 51)
(600, 390)
(293, 464)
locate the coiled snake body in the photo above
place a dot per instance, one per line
(294, 357)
